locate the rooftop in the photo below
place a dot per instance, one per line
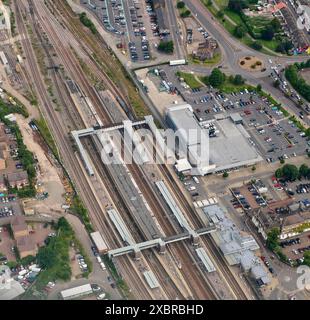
(228, 149)
(17, 176)
(18, 224)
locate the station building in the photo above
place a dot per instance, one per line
(229, 146)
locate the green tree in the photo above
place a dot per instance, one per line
(285, 46)
(220, 14)
(290, 172)
(259, 88)
(256, 45)
(268, 33)
(239, 31)
(276, 83)
(186, 13)
(272, 239)
(276, 25)
(307, 258)
(47, 256)
(236, 5)
(166, 46)
(217, 78)
(304, 171)
(279, 173)
(225, 174)
(180, 5)
(238, 80)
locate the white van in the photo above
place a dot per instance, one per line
(102, 265)
(101, 296)
(196, 179)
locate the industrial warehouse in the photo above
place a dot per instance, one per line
(229, 147)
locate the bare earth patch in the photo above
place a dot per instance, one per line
(251, 63)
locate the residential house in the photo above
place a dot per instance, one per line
(18, 179)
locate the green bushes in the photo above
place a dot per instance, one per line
(88, 23)
(273, 239)
(166, 46)
(54, 257)
(297, 82)
(219, 80)
(291, 172)
(79, 209)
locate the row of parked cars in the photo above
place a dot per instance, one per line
(82, 264)
(289, 242)
(258, 197)
(6, 212)
(7, 199)
(303, 188)
(240, 201)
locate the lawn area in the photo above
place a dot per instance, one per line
(272, 45)
(221, 3)
(189, 79)
(234, 17)
(228, 87)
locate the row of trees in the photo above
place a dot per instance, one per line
(273, 243)
(291, 172)
(297, 82)
(217, 78)
(185, 12)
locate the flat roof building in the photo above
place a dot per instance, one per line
(228, 149)
(99, 242)
(76, 292)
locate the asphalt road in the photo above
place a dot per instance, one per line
(233, 50)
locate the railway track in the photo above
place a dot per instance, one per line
(107, 61)
(180, 249)
(161, 269)
(112, 87)
(69, 158)
(171, 290)
(203, 288)
(194, 276)
(207, 240)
